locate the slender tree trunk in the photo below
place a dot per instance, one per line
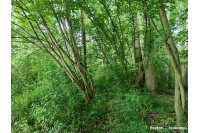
(168, 64)
(122, 59)
(83, 40)
(150, 78)
(185, 73)
(185, 65)
(179, 89)
(138, 56)
(168, 73)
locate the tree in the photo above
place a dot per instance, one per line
(53, 26)
(83, 41)
(185, 65)
(150, 77)
(138, 53)
(174, 58)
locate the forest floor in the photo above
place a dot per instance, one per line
(167, 96)
(154, 118)
(114, 109)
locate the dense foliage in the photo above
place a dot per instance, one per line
(98, 66)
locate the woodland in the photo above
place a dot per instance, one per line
(88, 66)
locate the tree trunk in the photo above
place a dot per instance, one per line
(174, 57)
(150, 78)
(185, 72)
(168, 64)
(185, 65)
(168, 73)
(83, 40)
(138, 56)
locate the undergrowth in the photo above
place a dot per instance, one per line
(54, 104)
(62, 109)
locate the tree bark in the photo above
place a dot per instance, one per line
(168, 64)
(150, 77)
(138, 55)
(168, 73)
(185, 65)
(83, 40)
